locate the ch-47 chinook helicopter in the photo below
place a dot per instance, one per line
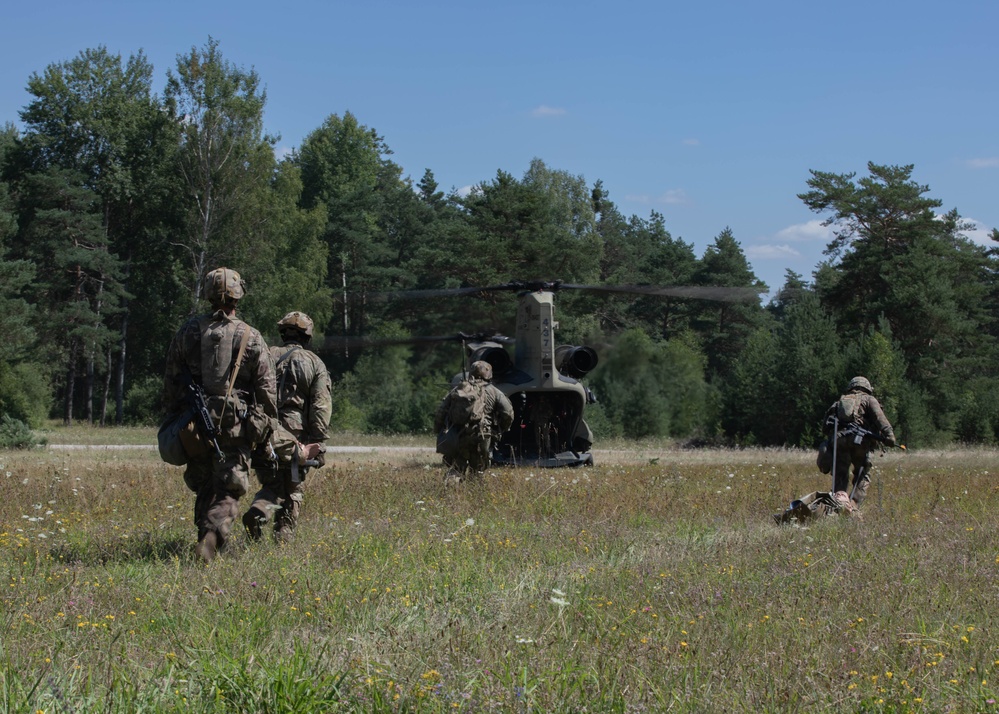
(542, 378)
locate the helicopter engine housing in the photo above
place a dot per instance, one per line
(575, 362)
(497, 357)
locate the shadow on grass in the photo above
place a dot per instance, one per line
(124, 551)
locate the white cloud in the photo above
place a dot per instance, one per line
(991, 162)
(283, 152)
(979, 233)
(812, 231)
(670, 197)
(544, 111)
(772, 252)
(465, 191)
(692, 142)
(673, 197)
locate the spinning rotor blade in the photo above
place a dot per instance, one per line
(698, 292)
(338, 344)
(439, 292)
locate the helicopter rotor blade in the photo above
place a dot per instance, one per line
(697, 292)
(339, 344)
(440, 292)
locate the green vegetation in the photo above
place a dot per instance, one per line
(119, 194)
(653, 581)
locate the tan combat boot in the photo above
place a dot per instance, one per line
(207, 546)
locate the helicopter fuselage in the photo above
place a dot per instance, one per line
(548, 427)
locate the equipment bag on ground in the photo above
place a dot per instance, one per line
(818, 503)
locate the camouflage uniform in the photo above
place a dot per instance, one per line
(869, 415)
(207, 346)
(475, 442)
(305, 405)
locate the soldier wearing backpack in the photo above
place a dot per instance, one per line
(305, 405)
(227, 361)
(470, 419)
(860, 425)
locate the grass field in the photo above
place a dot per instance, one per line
(654, 581)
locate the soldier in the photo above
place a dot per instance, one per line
(475, 414)
(857, 408)
(230, 362)
(305, 405)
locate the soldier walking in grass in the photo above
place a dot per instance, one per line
(305, 405)
(227, 364)
(470, 419)
(860, 424)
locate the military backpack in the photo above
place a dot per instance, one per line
(467, 405)
(848, 409)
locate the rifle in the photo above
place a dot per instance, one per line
(296, 470)
(202, 417)
(858, 433)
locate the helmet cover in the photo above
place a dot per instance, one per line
(860, 383)
(223, 285)
(482, 370)
(296, 321)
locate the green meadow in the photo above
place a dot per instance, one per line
(653, 581)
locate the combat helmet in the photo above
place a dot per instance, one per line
(296, 321)
(482, 370)
(860, 383)
(223, 285)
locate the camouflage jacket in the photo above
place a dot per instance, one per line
(497, 413)
(305, 393)
(868, 414)
(208, 346)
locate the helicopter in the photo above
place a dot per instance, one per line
(542, 378)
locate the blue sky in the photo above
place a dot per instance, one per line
(710, 113)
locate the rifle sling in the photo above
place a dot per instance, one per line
(235, 368)
(284, 373)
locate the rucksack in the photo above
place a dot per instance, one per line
(819, 503)
(848, 409)
(467, 405)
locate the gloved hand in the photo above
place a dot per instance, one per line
(310, 452)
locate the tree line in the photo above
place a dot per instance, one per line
(115, 199)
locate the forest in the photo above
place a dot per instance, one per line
(116, 196)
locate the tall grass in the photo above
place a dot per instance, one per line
(655, 581)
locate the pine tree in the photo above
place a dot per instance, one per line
(896, 258)
(726, 326)
(78, 282)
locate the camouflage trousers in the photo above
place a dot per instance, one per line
(218, 488)
(847, 456)
(279, 498)
(473, 456)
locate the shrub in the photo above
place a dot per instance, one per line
(25, 394)
(142, 402)
(15, 434)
